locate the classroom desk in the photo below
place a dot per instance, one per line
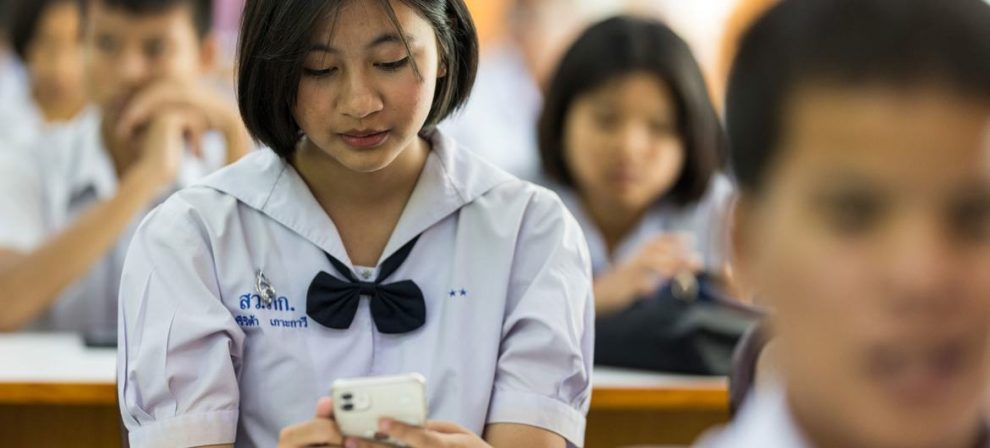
(55, 392)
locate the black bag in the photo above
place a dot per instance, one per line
(687, 327)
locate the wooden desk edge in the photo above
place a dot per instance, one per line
(606, 398)
(706, 398)
(58, 393)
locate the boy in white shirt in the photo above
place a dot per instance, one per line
(860, 136)
(72, 199)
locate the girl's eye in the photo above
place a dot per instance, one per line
(394, 66)
(320, 73)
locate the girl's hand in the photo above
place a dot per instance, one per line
(662, 258)
(320, 431)
(434, 435)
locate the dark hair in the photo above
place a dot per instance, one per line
(202, 10)
(22, 19)
(4, 14)
(847, 43)
(618, 47)
(275, 35)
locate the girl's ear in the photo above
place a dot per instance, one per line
(442, 70)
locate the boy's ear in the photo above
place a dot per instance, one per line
(209, 53)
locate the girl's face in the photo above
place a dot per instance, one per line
(360, 100)
(871, 241)
(621, 142)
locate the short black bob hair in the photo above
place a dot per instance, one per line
(275, 35)
(622, 46)
(847, 44)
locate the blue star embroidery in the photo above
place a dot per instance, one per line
(463, 293)
(453, 293)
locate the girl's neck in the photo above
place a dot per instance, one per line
(336, 186)
(613, 220)
(364, 207)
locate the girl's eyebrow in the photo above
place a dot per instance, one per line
(387, 38)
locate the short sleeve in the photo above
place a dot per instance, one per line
(543, 376)
(22, 216)
(179, 347)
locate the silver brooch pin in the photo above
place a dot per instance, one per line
(265, 289)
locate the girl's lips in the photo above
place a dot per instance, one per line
(365, 140)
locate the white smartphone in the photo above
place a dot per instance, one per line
(360, 403)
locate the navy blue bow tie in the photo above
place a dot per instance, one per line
(395, 307)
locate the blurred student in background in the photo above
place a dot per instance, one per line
(499, 121)
(71, 201)
(12, 77)
(740, 19)
(46, 36)
(630, 138)
(862, 151)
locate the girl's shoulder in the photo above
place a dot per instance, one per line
(720, 189)
(717, 198)
(476, 179)
(213, 199)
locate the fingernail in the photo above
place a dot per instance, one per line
(385, 425)
(350, 443)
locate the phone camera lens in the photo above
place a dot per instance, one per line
(347, 396)
(348, 407)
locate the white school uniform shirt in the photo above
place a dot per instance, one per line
(764, 421)
(20, 119)
(47, 185)
(21, 122)
(706, 220)
(503, 268)
(13, 78)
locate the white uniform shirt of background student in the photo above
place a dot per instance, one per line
(76, 193)
(50, 184)
(704, 223)
(503, 268)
